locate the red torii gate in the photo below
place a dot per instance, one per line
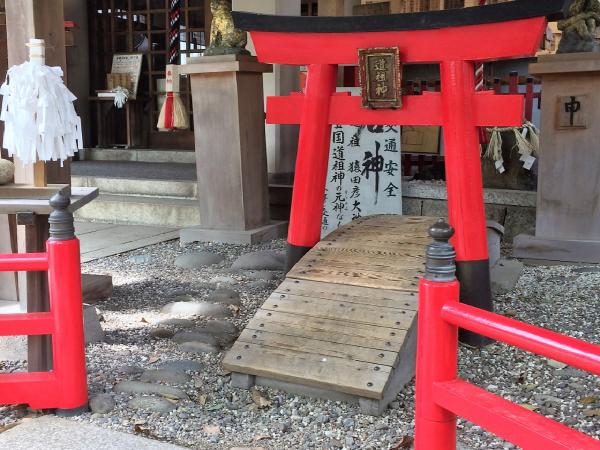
(456, 39)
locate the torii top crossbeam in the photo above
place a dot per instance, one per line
(453, 38)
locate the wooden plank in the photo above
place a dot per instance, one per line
(337, 254)
(397, 236)
(351, 294)
(374, 265)
(374, 312)
(359, 277)
(401, 236)
(350, 312)
(351, 377)
(394, 219)
(27, 191)
(318, 347)
(313, 328)
(414, 248)
(418, 232)
(391, 337)
(405, 251)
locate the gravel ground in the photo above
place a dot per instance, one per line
(216, 416)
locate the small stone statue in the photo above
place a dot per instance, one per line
(579, 28)
(7, 171)
(225, 39)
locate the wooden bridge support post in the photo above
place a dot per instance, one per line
(311, 164)
(465, 189)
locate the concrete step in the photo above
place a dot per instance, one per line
(139, 155)
(185, 189)
(142, 210)
(135, 170)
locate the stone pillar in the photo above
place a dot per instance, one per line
(230, 150)
(568, 204)
(281, 141)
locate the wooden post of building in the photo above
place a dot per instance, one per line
(42, 19)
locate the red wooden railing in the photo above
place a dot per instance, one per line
(65, 386)
(441, 396)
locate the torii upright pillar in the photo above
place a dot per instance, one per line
(456, 39)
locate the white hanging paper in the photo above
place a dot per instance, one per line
(40, 120)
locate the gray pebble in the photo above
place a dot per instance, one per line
(195, 336)
(180, 323)
(140, 259)
(260, 260)
(348, 423)
(130, 370)
(165, 376)
(182, 365)
(139, 387)
(198, 260)
(102, 404)
(224, 296)
(154, 404)
(197, 308)
(197, 347)
(161, 333)
(223, 279)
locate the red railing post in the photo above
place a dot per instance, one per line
(437, 343)
(66, 306)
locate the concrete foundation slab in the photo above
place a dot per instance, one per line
(51, 432)
(274, 230)
(579, 251)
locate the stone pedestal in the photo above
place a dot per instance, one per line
(568, 204)
(229, 128)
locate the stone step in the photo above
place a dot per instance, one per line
(186, 189)
(140, 155)
(142, 210)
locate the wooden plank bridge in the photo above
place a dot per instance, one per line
(343, 323)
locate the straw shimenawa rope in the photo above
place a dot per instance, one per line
(527, 144)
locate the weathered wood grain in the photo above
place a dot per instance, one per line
(318, 347)
(351, 377)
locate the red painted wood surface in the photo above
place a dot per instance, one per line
(308, 194)
(24, 262)
(65, 387)
(471, 43)
(35, 324)
(464, 184)
(426, 109)
(511, 422)
(441, 396)
(550, 344)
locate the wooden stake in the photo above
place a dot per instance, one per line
(39, 174)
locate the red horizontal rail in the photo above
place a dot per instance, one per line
(29, 262)
(571, 351)
(30, 324)
(511, 422)
(426, 109)
(38, 389)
